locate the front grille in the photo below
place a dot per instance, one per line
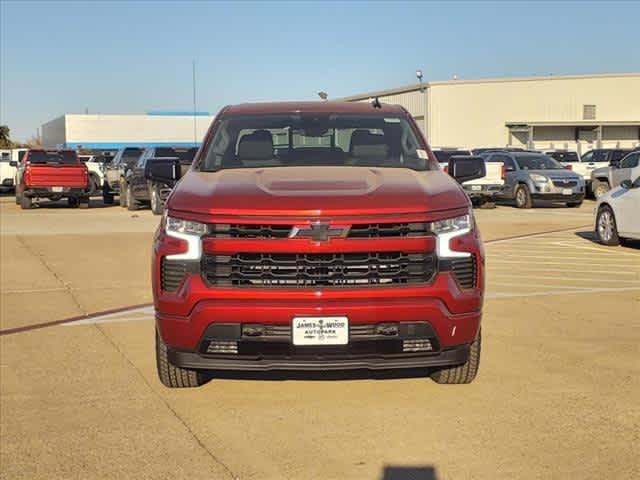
(364, 230)
(172, 273)
(562, 183)
(318, 269)
(465, 271)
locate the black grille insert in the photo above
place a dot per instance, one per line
(172, 274)
(465, 270)
(319, 269)
(562, 183)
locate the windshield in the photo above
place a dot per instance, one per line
(184, 154)
(538, 162)
(443, 156)
(40, 156)
(564, 156)
(259, 141)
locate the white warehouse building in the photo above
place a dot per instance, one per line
(578, 112)
(109, 132)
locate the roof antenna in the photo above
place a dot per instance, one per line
(375, 103)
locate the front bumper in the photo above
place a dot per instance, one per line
(558, 197)
(452, 356)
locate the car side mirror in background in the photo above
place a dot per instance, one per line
(626, 184)
(465, 168)
(165, 170)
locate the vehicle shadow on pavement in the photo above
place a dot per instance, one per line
(330, 375)
(62, 204)
(393, 472)
(592, 237)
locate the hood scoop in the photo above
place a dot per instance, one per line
(314, 181)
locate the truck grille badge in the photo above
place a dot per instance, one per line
(318, 232)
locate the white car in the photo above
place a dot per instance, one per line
(618, 213)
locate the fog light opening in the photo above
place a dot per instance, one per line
(222, 346)
(417, 345)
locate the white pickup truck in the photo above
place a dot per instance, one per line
(7, 172)
(482, 191)
(94, 164)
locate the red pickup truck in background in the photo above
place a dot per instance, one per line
(52, 174)
(317, 236)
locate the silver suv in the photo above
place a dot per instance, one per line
(530, 176)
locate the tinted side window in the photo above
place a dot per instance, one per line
(618, 154)
(588, 157)
(630, 161)
(600, 156)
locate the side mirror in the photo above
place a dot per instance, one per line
(626, 184)
(13, 163)
(465, 168)
(163, 170)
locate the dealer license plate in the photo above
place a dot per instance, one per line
(57, 189)
(567, 191)
(476, 187)
(320, 331)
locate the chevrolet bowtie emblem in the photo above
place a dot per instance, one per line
(318, 232)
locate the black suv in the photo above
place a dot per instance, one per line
(139, 189)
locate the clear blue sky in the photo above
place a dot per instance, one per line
(126, 57)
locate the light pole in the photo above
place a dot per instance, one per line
(424, 94)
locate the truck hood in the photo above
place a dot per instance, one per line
(316, 191)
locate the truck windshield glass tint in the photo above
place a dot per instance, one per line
(541, 162)
(259, 141)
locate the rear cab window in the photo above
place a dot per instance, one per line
(44, 157)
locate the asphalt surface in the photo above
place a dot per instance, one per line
(556, 397)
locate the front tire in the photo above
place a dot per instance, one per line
(156, 201)
(132, 203)
(73, 202)
(464, 373)
(523, 197)
(606, 227)
(172, 376)
(600, 188)
(122, 197)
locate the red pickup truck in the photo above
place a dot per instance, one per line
(53, 174)
(317, 236)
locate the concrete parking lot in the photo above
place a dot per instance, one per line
(556, 396)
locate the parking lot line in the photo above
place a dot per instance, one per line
(556, 293)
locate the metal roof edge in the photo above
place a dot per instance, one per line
(418, 86)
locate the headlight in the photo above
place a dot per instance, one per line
(189, 231)
(188, 227)
(462, 222)
(538, 178)
(448, 229)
